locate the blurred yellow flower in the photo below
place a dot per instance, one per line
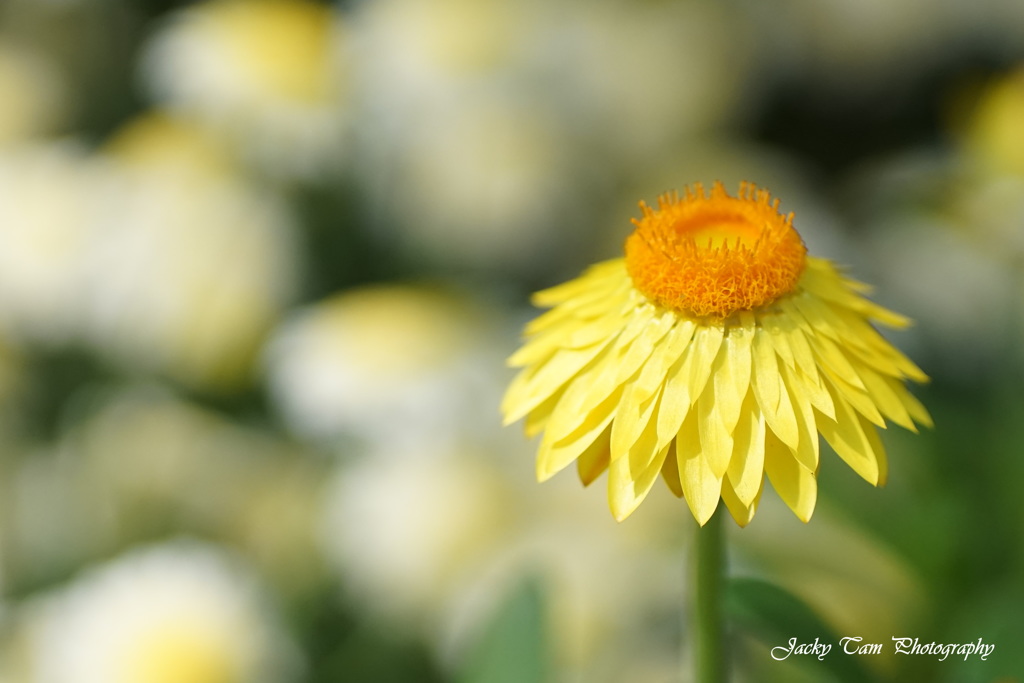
(994, 134)
(158, 141)
(713, 353)
(487, 182)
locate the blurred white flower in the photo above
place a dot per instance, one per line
(270, 75)
(147, 451)
(486, 183)
(48, 195)
(466, 154)
(32, 93)
(406, 535)
(411, 53)
(139, 458)
(193, 266)
(612, 588)
(180, 612)
(394, 364)
(645, 75)
(915, 256)
(433, 544)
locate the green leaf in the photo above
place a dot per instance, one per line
(995, 616)
(776, 616)
(512, 647)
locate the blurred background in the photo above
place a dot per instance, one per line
(261, 262)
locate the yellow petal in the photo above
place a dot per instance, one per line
(691, 370)
(906, 366)
(732, 370)
(594, 459)
(813, 390)
(779, 338)
(820, 315)
(715, 439)
(653, 329)
(667, 351)
(858, 332)
(794, 483)
(557, 451)
(701, 488)
(533, 385)
(878, 448)
(670, 471)
(538, 418)
(589, 389)
(594, 282)
(630, 422)
(638, 402)
(766, 371)
(887, 400)
(742, 512)
(595, 304)
(746, 467)
(782, 421)
(821, 279)
(785, 425)
(574, 336)
(881, 314)
(707, 340)
(878, 359)
(857, 398)
(631, 475)
(609, 371)
(807, 449)
(830, 357)
(910, 402)
(847, 437)
(802, 354)
(580, 398)
(675, 397)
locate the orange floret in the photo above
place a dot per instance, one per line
(713, 255)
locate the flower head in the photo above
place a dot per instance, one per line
(161, 297)
(714, 353)
(270, 77)
(181, 611)
(715, 255)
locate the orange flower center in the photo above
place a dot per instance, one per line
(714, 255)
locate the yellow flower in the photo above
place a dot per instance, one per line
(713, 353)
(994, 135)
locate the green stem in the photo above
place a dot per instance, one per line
(709, 580)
